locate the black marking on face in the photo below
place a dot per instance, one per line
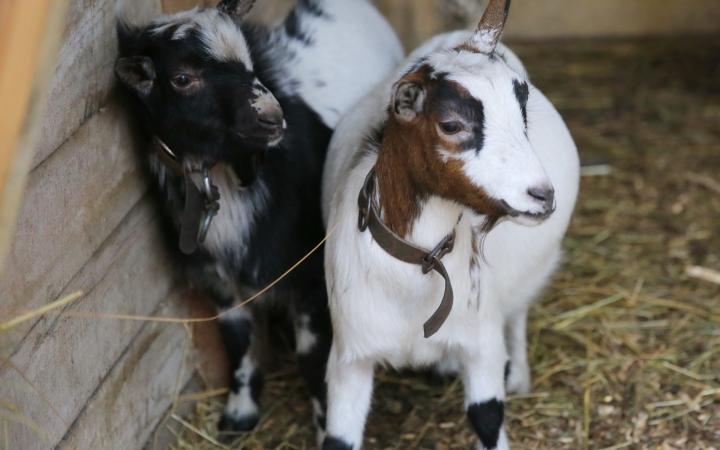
(334, 443)
(507, 370)
(522, 93)
(451, 101)
(487, 420)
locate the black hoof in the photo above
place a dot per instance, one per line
(333, 443)
(230, 424)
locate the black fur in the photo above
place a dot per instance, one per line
(522, 93)
(451, 99)
(333, 443)
(221, 126)
(487, 420)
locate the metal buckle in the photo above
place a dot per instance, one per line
(212, 195)
(443, 248)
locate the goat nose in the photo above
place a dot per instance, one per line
(271, 120)
(545, 195)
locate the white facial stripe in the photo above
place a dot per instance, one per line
(182, 31)
(221, 37)
(162, 24)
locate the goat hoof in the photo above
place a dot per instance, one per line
(229, 423)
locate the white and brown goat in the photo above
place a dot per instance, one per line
(467, 154)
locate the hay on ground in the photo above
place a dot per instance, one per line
(625, 343)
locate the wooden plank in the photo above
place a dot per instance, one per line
(139, 389)
(68, 357)
(84, 72)
(29, 34)
(73, 202)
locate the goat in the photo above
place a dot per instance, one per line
(464, 159)
(238, 118)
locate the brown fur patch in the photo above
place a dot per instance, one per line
(409, 168)
(465, 46)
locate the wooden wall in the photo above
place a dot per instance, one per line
(416, 20)
(86, 223)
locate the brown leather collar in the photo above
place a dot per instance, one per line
(196, 210)
(401, 249)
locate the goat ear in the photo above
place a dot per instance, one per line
(136, 73)
(491, 26)
(127, 36)
(237, 9)
(408, 100)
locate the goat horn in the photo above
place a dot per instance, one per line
(491, 26)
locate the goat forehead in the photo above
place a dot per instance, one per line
(495, 87)
(220, 37)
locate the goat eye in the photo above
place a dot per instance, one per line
(181, 81)
(450, 127)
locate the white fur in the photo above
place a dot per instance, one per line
(352, 47)
(221, 37)
(379, 304)
(305, 340)
(238, 209)
(241, 405)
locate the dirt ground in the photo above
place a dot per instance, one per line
(624, 345)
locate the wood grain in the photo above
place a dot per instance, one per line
(134, 397)
(73, 201)
(84, 71)
(67, 358)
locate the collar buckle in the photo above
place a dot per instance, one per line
(403, 250)
(443, 248)
(198, 212)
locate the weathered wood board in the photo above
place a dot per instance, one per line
(73, 201)
(67, 358)
(87, 222)
(156, 356)
(84, 72)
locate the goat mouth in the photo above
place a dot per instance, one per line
(269, 139)
(534, 217)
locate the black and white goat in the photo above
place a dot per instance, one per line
(246, 113)
(465, 145)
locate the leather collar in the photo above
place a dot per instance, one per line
(395, 246)
(196, 210)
